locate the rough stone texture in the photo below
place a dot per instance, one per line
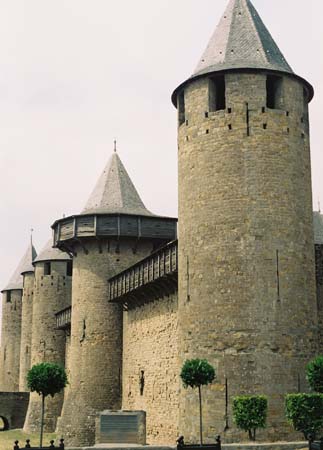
(251, 197)
(319, 291)
(150, 345)
(10, 341)
(26, 329)
(13, 408)
(52, 293)
(96, 336)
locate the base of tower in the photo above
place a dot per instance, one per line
(244, 446)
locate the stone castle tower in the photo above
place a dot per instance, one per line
(246, 253)
(12, 324)
(242, 287)
(114, 231)
(52, 293)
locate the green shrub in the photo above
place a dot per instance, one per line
(250, 413)
(314, 374)
(305, 412)
(196, 373)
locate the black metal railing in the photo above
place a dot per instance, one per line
(28, 445)
(182, 446)
(315, 445)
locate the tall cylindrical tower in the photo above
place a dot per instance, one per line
(11, 325)
(52, 293)
(26, 324)
(246, 252)
(114, 231)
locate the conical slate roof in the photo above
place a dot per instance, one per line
(49, 253)
(318, 227)
(115, 193)
(240, 41)
(25, 265)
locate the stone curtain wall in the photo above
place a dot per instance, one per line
(13, 408)
(244, 194)
(10, 342)
(26, 329)
(150, 346)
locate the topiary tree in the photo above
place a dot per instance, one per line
(195, 374)
(46, 379)
(305, 412)
(250, 413)
(314, 374)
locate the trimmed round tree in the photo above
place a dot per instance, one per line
(195, 374)
(46, 379)
(305, 413)
(314, 374)
(250, 413)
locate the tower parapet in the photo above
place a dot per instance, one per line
(114, 231)
(52, 293)
(11, 325)
(246, 260)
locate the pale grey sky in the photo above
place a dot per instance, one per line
(74, 74)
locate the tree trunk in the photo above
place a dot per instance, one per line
(201, 424)
(42, 420)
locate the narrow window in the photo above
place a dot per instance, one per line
(69, 268)
(274, 92)
(8, 297)
(217, 93)
(181, 108)
(47, 268)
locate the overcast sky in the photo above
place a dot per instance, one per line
(74, 74)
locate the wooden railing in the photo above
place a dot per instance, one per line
(151, 277)
(63, 318)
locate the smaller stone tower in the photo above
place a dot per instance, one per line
(26, 323)
(114, 231)
(52, 293)
(11, 325)
(318, 241)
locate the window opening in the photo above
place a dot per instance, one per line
(274, 91)
(217, 93)
(8, 297)
(181, 108)
(69, 268)
(47, 268)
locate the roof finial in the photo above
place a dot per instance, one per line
(115, 145)
(31, 236)
(319, 205)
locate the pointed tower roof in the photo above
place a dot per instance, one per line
(318, 227)
(25, 265)
(115, 193)
(241, 41)
(49, 253)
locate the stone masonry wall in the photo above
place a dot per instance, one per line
(10, 342)
(26, 329)
(319, 291)
(247, 299)
(52, 293)
(150, 354)
(96, 336)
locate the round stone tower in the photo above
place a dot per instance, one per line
(26, 323)
(246, 252)
(11, 325)
(52, 293)
(114, 231)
